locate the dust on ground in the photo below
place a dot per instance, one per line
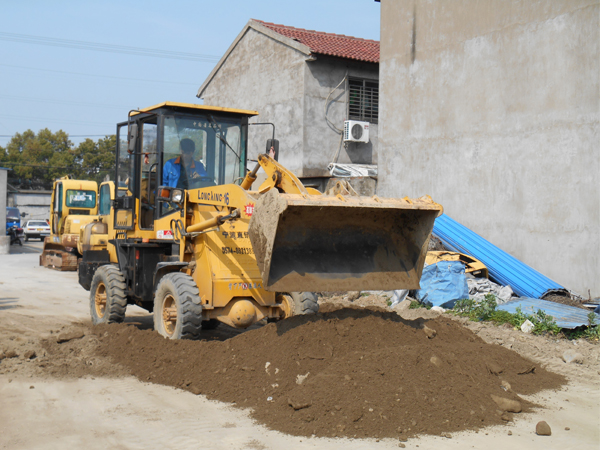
(346, 372)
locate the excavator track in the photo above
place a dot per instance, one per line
(56, 256)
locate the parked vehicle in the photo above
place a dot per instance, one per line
(15, 233)
(13, 217)
(73, 206)
(36, 229)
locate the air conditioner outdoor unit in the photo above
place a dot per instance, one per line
(355, 131)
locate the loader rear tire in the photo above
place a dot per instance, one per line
(108, 301)
(304, 303)
(177, 307)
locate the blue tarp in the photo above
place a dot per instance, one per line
(442, 284)
(503, 268)
(564, 315)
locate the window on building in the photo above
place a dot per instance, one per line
(363, 100)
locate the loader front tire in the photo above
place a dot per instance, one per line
(177, 307)
(108, 301)
(299, 303)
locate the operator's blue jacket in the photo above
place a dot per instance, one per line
(172, 171)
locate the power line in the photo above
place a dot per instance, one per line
(36, 165)
(70, 135)
(108, 48)
(62, 102)
(97, 76)
(45, 119)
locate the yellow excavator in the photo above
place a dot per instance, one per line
(183, 234)
(73, 206)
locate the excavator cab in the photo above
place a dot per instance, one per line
(71, 197)
(74, 203)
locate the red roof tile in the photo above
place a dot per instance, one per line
(329, 43)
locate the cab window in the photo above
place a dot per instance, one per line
(80, 198)
(104, 204)
(149, 173)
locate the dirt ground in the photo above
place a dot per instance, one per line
(302, 383)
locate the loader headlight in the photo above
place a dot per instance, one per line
(177, 196)
(171, 195)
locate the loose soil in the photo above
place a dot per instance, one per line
(565, 300)
(353, 372)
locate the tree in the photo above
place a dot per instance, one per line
(38, 159)
(96, 160)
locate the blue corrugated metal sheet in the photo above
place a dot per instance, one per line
(565, 316)
(503, 268)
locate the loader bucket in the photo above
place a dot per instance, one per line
(325, 243)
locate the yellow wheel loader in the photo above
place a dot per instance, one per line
(189, 239)
(73, 206)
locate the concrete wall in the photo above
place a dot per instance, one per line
(3, 199)
(263, 75)
(322, 140)
(266, 75)
(492, 108)
(36, 204)
(4, 240)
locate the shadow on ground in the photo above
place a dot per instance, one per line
(27, 247)
(222, 333)
(9, 303)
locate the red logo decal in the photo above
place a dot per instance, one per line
(249, 209)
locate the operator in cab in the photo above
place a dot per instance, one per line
(184, 172)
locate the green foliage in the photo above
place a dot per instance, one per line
(592, 332)
(543, 323)
(500, 317)
(486, 310)
(97, 159)
(477, 311)
(417, 305)
(38, 159)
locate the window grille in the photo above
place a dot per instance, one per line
(363, 100)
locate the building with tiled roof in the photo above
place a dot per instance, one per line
(330, 44)
(307, 83)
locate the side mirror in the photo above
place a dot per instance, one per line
(132, 134)
(275, 144)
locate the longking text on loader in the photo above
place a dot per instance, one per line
(206, 248)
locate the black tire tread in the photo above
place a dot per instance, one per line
(305, 303)
(187, 294)
(116, 300)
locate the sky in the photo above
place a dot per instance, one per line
(80, 66)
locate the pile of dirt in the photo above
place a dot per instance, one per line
(564, 300)
(343, 372)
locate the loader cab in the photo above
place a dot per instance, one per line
(179, 146)
(71, 197)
